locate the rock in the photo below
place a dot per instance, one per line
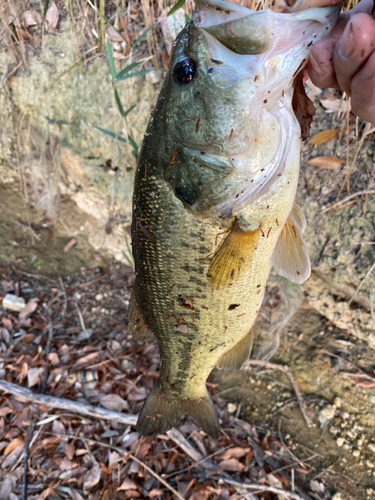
(13, 303)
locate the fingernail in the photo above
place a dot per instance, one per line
(346, 47)
(316, 70)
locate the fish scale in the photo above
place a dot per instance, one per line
(208, 227)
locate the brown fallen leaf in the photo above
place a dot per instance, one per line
(70, 244)
(236, 452)
(92, 477)
(362, 381)
(52, 18)
(29, 308)
(231, 465)
(114, 402)
(13, 445)
(303, 108)
(127, 484)
(327, 162)
(34, 375)
(324, 136)
(31, 18)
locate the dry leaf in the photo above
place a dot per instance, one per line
(29, 308)
(4, 334)
(155, 493)
(114, 402)
(13, 445)
(113, 34)
(34, 375)
(302, 106)
(328, 162)
(5, 410)
(7, 323)
(31, 18)
(231, 465)
(76, 495)
(24, 34)
(53, 358)
(236, 452)
(12, 457)
(324, 136)
(362, 381)
(128, 484)
(92, 477)
(70, 244)
(52, 18)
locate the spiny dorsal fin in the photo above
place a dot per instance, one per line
(232, 258)
(291, 257)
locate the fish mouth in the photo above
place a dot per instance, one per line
(244, 31)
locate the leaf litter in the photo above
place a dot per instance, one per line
(77, 456)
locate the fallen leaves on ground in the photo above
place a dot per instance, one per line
(325, 162)
(324, 136)
(75, 457)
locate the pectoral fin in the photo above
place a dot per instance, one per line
(238, 355)
(290, 257)
(137, 326)
(232, 258)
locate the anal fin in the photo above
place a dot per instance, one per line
(238, 355)
(137, 326)
(291, 257)
(233, 257)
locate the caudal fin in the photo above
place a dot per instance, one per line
(162, 411)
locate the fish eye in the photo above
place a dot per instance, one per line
(184, 71)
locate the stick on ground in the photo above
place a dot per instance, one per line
(288, 372)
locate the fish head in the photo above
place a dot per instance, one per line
(228, 66)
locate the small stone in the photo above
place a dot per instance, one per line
(337, 496)
(13, 303)
(346, 446)
(231, 407)
(371, 447)
(326, 415)
(99, 297)
(356, 453)
(337, 403)
(340, 441)
(370, 464)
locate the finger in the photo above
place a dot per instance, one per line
(320, 66)
(353, 49)
(363, 91)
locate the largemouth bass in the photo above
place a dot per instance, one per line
(213, 205)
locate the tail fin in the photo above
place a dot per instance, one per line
(162, 411)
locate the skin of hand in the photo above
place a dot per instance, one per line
(346, 60)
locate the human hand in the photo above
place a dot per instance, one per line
(346, 60)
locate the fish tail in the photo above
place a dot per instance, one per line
(162, 411)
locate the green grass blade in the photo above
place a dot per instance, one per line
(135, 146)
(136, 73)
(135, 43)
(119, 104)
(112, 134)
(128, 68)
(110, 24)
(175, 8)
(45, 9)
(111, 60)
(129, 110)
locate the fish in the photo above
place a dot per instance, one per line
(214, 198)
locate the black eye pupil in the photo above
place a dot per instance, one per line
(184, 71)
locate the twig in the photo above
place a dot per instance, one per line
(26, 458)
(260, 487)
(347, 198)
(288, 372)
(68, 405)
(123, 452)
(360, 285)
(100, 413)
(48, 349)
(65, 297)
